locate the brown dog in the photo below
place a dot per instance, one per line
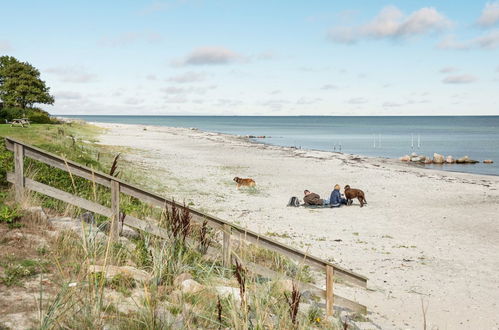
(350, 194)
(244, 182)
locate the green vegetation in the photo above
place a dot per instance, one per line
(9, 214)
(17, 270)
(20, 84)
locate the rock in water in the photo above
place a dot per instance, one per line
(488, 161)
(466, 160)
(438, 158)
(450, 160)
(414, 154)
(428, 161)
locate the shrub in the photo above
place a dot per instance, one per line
(8, 214)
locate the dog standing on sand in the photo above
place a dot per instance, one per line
(244, 182)
(350, 194)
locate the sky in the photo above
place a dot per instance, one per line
(201, 57)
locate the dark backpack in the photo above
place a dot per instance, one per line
(294, 201)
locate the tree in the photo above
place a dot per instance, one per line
(20, 84)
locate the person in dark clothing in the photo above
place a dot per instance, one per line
(312, 198)
(336, 200)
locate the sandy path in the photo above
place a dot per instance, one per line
(426, 236)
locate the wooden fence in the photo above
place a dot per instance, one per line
(230, 231)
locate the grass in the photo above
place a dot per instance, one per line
(86, 304)
(17, 270)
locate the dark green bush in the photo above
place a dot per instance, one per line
(36, 116)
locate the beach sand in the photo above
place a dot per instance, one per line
(426, 236)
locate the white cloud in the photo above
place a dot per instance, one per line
(329, 87)
(489, 40)
(448, 69)
(459, 79)
(5, 46)
(490, 14)
(188, 77)
(172, 90)
(133, 101)
(392, 104)
(72, 74)
(357, 100)
(308, 100)
(67, 95)
(210, 56)
(151, 77)
(392, 23)
(155, 7)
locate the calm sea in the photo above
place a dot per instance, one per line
(391, 137)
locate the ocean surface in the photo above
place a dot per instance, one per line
(390, 137)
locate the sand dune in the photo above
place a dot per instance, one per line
(426, 236)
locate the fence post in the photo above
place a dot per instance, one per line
(19, 171)
(227, 255)
(329, 290)
(115, 209)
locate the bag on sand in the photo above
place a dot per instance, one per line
(294, 201)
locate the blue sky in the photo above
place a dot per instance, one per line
(260, 57)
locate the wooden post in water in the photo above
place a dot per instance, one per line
(19, 171)
(329, 290)
(227, 255)
(115, 210)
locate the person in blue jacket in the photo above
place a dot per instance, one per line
(336, 200)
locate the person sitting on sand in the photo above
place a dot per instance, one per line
(313, 199)
(336, 200)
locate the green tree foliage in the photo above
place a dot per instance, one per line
(20, 84)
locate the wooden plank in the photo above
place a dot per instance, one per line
(226, 247)
(67, 166)
(329, 290)
(115, 210)
(145, 226)
(104, 179)
(64, 196)
(339, 301)
(19, 171)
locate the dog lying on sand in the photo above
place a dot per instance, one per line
(350, 194)
(244, 182)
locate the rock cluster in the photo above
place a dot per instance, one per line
(440, 159)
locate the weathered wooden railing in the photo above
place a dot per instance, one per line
(230, 231)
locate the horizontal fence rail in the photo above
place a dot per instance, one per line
(229, 230)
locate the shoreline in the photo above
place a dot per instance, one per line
(424, 235)
(394, 161)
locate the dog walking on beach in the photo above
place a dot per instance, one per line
(244, 182)
(350, 194)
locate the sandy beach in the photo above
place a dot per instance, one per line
(426, 237)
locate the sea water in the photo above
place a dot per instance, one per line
(390, 137)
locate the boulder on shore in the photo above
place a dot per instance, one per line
(488, 161)
(438, 158)
(450, 160)
(405, 158)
